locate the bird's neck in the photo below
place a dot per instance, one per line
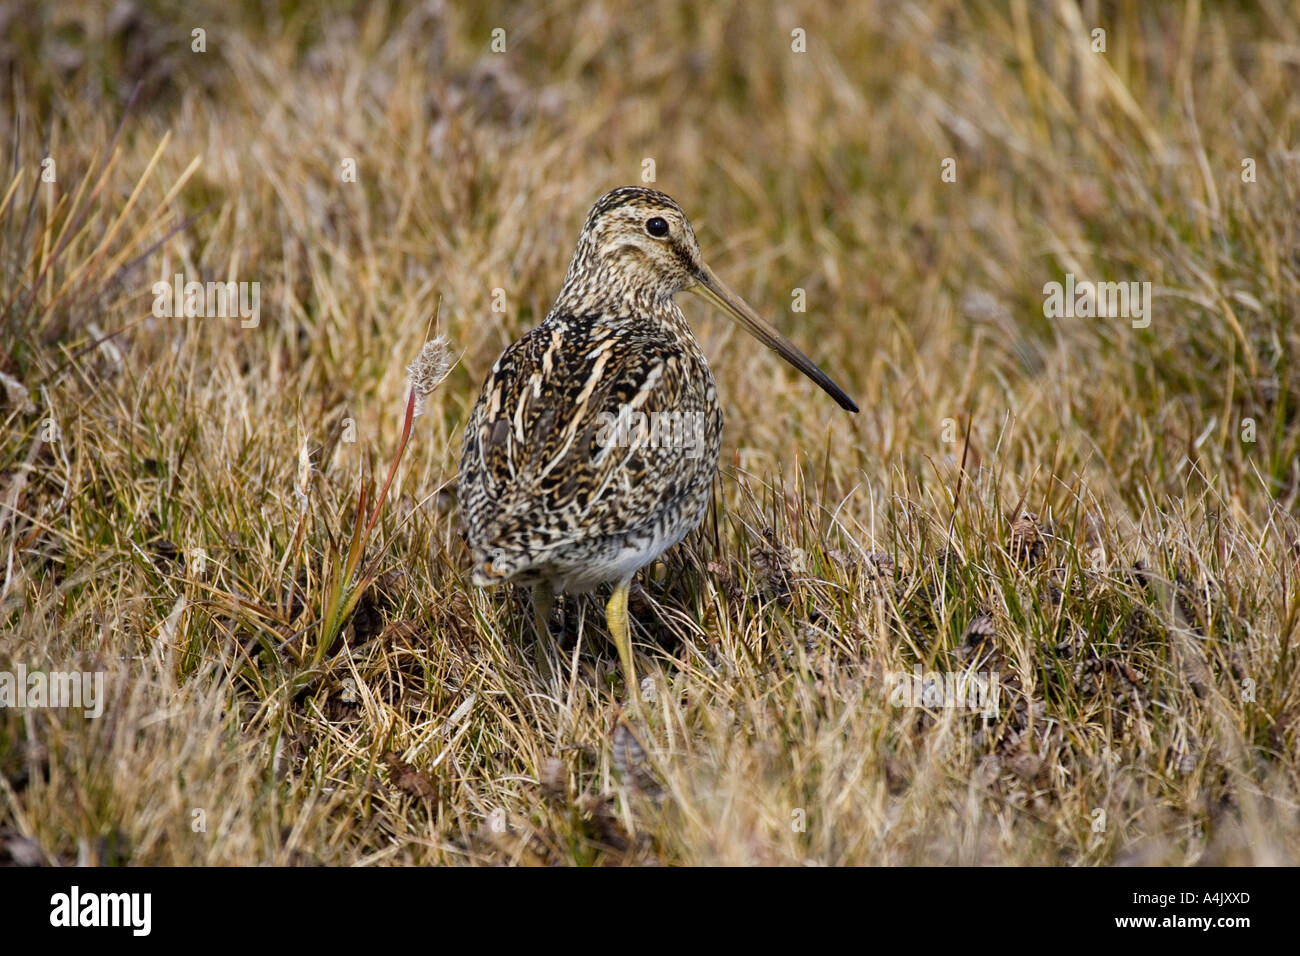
(616, 301)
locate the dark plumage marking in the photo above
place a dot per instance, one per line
(561, 484)
(628, 195)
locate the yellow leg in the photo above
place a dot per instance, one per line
(543, 601)
(620, 631)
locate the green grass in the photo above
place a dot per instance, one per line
(156, 523)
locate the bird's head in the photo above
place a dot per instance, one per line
(636, 243)
(638, 248)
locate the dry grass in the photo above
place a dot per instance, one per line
(157, 523)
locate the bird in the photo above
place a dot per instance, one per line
(593, 444)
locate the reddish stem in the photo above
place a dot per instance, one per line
(392, 471)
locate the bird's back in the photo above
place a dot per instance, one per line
(551, 482)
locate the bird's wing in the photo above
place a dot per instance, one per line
(546, 460)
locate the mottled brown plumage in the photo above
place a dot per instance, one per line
(593, 445)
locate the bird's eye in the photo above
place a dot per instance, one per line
(657, 227)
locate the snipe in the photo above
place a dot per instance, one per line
(593, 445)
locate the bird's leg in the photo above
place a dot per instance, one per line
(620, 631)
(543, 601)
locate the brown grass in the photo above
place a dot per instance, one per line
(154, 523)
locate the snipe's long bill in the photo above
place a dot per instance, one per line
(593, 445)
